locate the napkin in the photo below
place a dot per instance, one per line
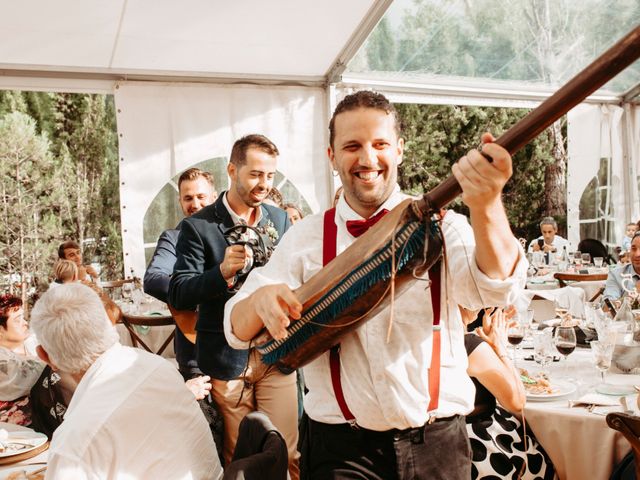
(597, 399)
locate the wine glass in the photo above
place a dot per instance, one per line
(127, 290)
(561, 310)
(586, 259)
(543, 348)
(565, 341)
(577, 258)
(515, 335)
(602, 353)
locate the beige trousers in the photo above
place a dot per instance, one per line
(263, 388)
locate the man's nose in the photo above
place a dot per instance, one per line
(368, 157)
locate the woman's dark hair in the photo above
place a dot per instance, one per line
(8, 303)
(595, 248)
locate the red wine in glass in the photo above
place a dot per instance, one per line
(565, 348)
(515, 339)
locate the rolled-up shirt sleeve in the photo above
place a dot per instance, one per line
(469, 286)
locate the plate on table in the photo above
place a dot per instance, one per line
(24, 472)
(556, 389)
(18, 440)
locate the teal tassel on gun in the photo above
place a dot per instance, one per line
(301, 331)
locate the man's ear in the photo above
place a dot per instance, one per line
(400, 150)
(44, 356)
(231, 171)
(332, 158)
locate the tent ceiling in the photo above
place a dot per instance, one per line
(279, 39)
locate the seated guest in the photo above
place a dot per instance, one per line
(130, 415)
(495, 432)
(20, 368)
(549, 241)
(65, 271)
(630, 231)
(625, 276)
(70, 250)
(22, 374)
(294, 212)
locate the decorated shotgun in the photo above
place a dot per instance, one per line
(407, 242)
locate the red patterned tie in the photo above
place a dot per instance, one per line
(358, 227)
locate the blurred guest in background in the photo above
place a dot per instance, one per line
(70, 250)
(294, 212)
(629, 232)
(626, 276)
(549, 241)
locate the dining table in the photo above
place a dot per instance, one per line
(571, 422)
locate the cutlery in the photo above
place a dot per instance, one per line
(625, 406)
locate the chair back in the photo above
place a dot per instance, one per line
(564, 277)
(629, 426)
(595, 248)
(113, 288)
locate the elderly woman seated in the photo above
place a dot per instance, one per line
(29, 390)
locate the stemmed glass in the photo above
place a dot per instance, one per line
(543, 348)
(602, 353)
(586, 259)
(565, 342)
(577, 258)
(515, 335)
(561, 311)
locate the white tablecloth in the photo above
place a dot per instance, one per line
(580, 444)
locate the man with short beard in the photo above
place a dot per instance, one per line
(389, 406)
(205, 275)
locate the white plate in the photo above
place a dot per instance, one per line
(24, 468)
(19, 433)
(560, 389)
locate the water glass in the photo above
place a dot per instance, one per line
(598, 261)
(586, 259)
(602, 353)
(543, 348)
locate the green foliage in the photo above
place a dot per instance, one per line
(438, 135)
(73, 188)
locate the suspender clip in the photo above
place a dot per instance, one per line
(432, 418)
(353, 423)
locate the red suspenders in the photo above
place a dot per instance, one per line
(328, 254)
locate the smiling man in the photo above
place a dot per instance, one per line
(383, 384)
(204, 277)
(626, 276)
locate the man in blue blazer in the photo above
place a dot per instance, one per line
(195, 191)
(205, 276)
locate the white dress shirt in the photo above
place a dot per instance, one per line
(132, 417)
(558, 243)
(385, 384)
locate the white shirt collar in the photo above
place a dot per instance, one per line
(347, 213)
(234, 216)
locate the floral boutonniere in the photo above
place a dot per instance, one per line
(270, 230)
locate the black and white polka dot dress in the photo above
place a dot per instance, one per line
(497, 440)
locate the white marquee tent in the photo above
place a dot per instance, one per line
(190, 77)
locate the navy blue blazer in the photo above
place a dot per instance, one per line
(156, 284)
(197, 280)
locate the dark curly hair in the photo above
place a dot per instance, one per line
(8, 303)
(363, 99)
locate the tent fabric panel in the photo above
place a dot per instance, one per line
(166, 128)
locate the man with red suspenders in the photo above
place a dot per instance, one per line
(389, 408)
